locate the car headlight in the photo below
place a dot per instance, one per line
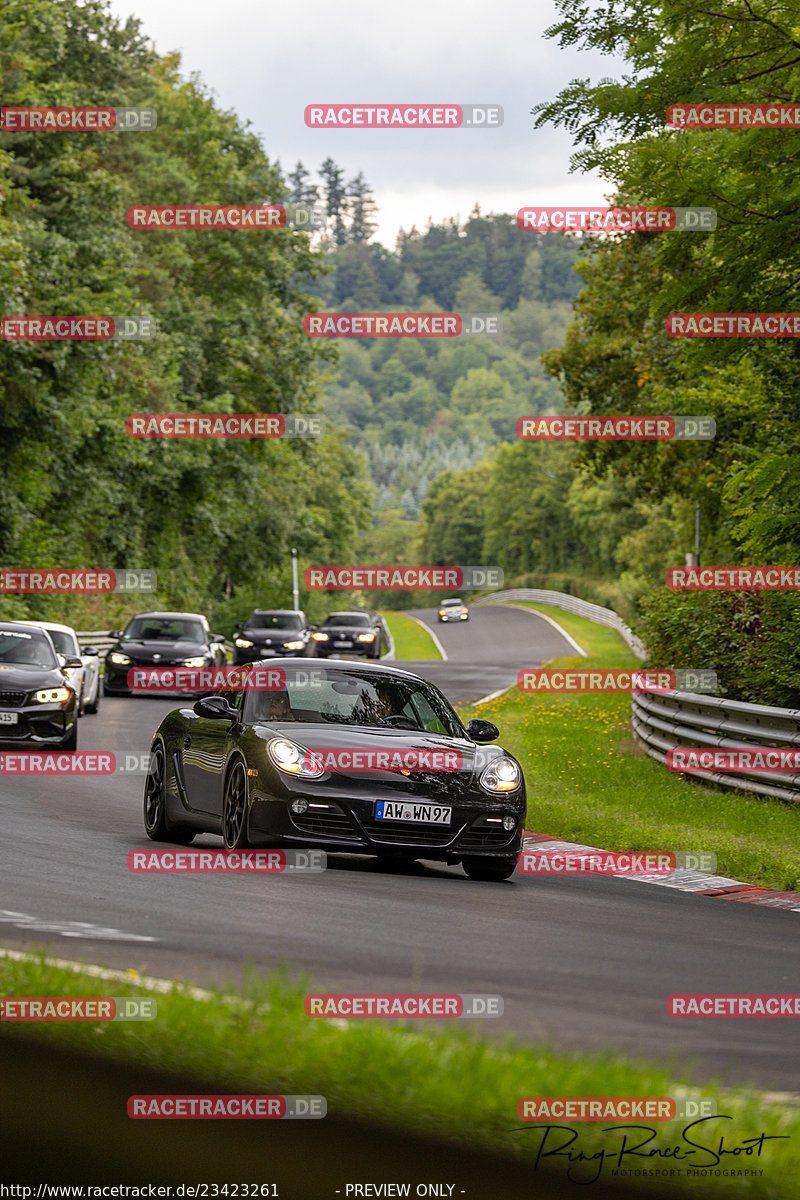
(288, 756)
(120, 660)
(242, 642)
(52, 695)
(501, 775)
(198, 661)
(320, 637)
(366, 637)
(293, 645)
(464, 616)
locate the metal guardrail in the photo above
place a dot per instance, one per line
(670, 720)
(674, 719)
(581, 608)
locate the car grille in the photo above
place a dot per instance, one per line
(324, 822)
(12, 699)
(405, 833)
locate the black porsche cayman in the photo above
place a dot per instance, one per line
(364, 759)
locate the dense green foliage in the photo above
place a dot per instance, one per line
(625, 511)
(214, 518)
(416, 408)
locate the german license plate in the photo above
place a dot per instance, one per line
(267, 653)
(343, 645)
(402, 810)
(9, 718)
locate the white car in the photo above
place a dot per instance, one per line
(85, 679)
(453, 610)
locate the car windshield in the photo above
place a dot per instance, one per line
(64, 643)
(451, 604)
(346, 619)
(163, 629)
(266, 620)
(325, 695)
(26, 648)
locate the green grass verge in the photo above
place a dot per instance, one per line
(411, 642)
(440, 1079)
(589, 782)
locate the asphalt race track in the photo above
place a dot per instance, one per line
(580, 962)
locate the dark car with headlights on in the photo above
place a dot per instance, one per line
(38, 705)
(271, 633)
(161, 639)
(453, 610)
(341, 758)
(355, 632)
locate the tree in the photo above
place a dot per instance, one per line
(361, 208)
(335, 199)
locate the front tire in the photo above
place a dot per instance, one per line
(234, 809)
(157, 824)
(489, 870)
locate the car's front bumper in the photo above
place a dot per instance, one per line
(339, 820)
(40, 724)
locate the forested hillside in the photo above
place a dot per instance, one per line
(214, 518)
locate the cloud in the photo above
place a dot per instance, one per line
(269, 62)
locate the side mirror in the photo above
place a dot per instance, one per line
(239, 625)
(312, 628)
(216, 708)
(91, 651)
(482, 731)
(69, 661)
(218, 637)
(115, 633)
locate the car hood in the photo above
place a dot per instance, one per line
(29, 679)
(448, 784)
(144, 651)
(272, 635)
(335, 631)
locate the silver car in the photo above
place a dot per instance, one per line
(84, 679)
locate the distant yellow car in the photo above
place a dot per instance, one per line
(453, 610)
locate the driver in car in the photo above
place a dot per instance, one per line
(275, 706)
(386, 704)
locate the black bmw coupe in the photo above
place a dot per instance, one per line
(359, 758)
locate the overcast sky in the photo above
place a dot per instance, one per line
(268, 62)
